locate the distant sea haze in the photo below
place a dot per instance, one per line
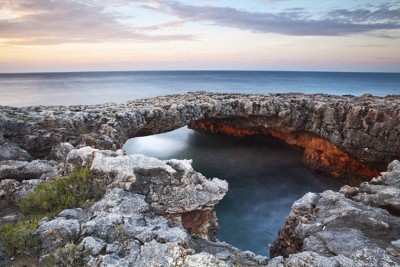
(73, 88)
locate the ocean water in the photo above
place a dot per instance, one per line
(265, 175)
(101, 87)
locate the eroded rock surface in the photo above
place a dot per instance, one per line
(353, 227)
(23, 170)
(364, 129)
(160, 213)
(142, 220)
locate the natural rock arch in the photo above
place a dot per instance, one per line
(346, 136)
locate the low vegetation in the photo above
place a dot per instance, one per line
(78, 189)
(75, 190)
(83, 130)
(17, 238)
(19, 116)
(69, 255)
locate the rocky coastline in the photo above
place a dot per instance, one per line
(160, 213)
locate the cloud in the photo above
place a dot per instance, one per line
(295, 22)
(54, 22)
(87, 21)
(382, 14)
(170, 24)
(371, 45)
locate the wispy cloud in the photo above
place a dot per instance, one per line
(171, 24)
(295, 22)
(384, 14)
(54, 22)
(81, 21)
(372, 45)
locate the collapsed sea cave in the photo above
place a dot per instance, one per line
(272, 149)
(265, 176)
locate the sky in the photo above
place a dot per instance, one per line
(123, 35)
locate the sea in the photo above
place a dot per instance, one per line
(265, 175)
(73, 88)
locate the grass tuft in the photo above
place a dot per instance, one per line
(69, 255)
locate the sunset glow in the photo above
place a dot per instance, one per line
(93, 35)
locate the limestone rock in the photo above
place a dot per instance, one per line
(120, 230)
(23, 170)
(92, 245)
(203, 259)
(170, 186)
(60, 151)
(76, 214)
(24, 188)
(119, 213)
(58, 232)
(358, 227)
(13, 152)
(364, 129)
(127, 227)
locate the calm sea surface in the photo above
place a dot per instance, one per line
(101, 87)
(265, 176)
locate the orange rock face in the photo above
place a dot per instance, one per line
(201, 223)
(319, 154)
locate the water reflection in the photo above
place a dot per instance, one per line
(265, 176)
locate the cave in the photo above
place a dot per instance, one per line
(265, 176)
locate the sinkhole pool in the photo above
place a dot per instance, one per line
(265, 177)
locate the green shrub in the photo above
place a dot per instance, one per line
(73, 191)
(18, 238)
(48, 199)
(68, 256)
(23, 118)
(83, 130)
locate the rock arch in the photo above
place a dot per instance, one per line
(346, 136)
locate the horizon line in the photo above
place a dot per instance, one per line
(194, 70)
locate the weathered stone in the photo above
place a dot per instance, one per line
(200, 223)
(82, 156)
(92, 245)
(77, 214)
(12, 190)
(23, 170)
(341, 134)
(25, 187)
(122, 228)
(57, 233)
(60, 151)
(165, 206)
(119, 213)
(226, 252)
(358, 227)
(8, 188)
(204, 259)
(170, 187)
(13, 152)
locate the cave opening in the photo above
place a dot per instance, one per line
(265, 177)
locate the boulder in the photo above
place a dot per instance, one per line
(353, 227)
(23, 170)
(10, 151)
(57, 233)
